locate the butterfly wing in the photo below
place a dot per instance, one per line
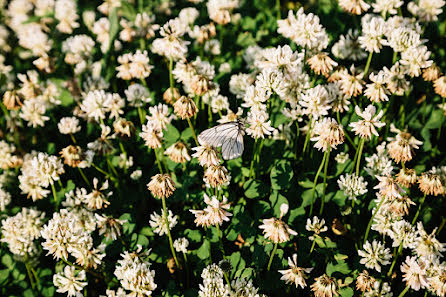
(215, 136)
(228, 135)
(233, 147)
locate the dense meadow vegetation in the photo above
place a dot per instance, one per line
(222, 148)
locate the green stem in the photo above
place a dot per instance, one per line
(400, 248)
(369, 225)
(325, 180)
(315, 182)
(419, 209)
(30, 276)
(158, 161)
(307, 137)
(253, 159)
(193, 131)
(313, 245)
(404, 291)
(168, 233)
(358, 161)
(278, 9)
(367, 66)
(72, 138)
(53, 189)
(171, 76)
(272, 256)
(443, 222)
(83, 176)
(140, 115)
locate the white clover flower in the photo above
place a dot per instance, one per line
(181, 245)
(158, 222)
(352, 185)
(70, 281)
(258, 124)
(374, 255)
(69, 125)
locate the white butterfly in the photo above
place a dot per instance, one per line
(227, 135)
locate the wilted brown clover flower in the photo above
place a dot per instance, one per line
(325, 286)
(185, 107)
(161, 186)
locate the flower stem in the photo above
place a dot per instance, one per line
(312, 246)
(367, 66)
(327, 158)
(171, 76)
(158, 161)
(272, 256)
(253, 159)
(30, 275)
(315, 181)
(358, 161)
(404, 291)
(72, 138)
(278, 9)
(193, 131)
(307, 137)
(168, 233)
(419, 209)
(53, 189)
(371, 220)
(400, 248)
(83, 176)
(140, 115)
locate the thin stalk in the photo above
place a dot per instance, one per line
(278, 9)
(367, 66)
(103, 171)
(253, 159)
(404, 291)
(361, 147)
(53, 189)
(272, 256)
(168, 233)
(307, 137)
(313, 245)
(220, 240)
(30, 276)
(112, 168)
(83, 176)
(193, 131)
(325, 180)
(400, 249)
(140, 115)
(443, 222)
(419, 209)
(171, 76)
(82, 268)
(315, 182)
(371, 220)
(158, 161)
(72, 138)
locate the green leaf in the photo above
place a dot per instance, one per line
(277, 200)
(4, 274)
(114, 26)
(203, 251)
(340, 266)
(281, 175)
(346, 292)
(127, 10)
(7, 261)
(193, 235)
(171, 135)
(255, 189)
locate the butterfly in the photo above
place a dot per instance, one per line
(227, 135)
